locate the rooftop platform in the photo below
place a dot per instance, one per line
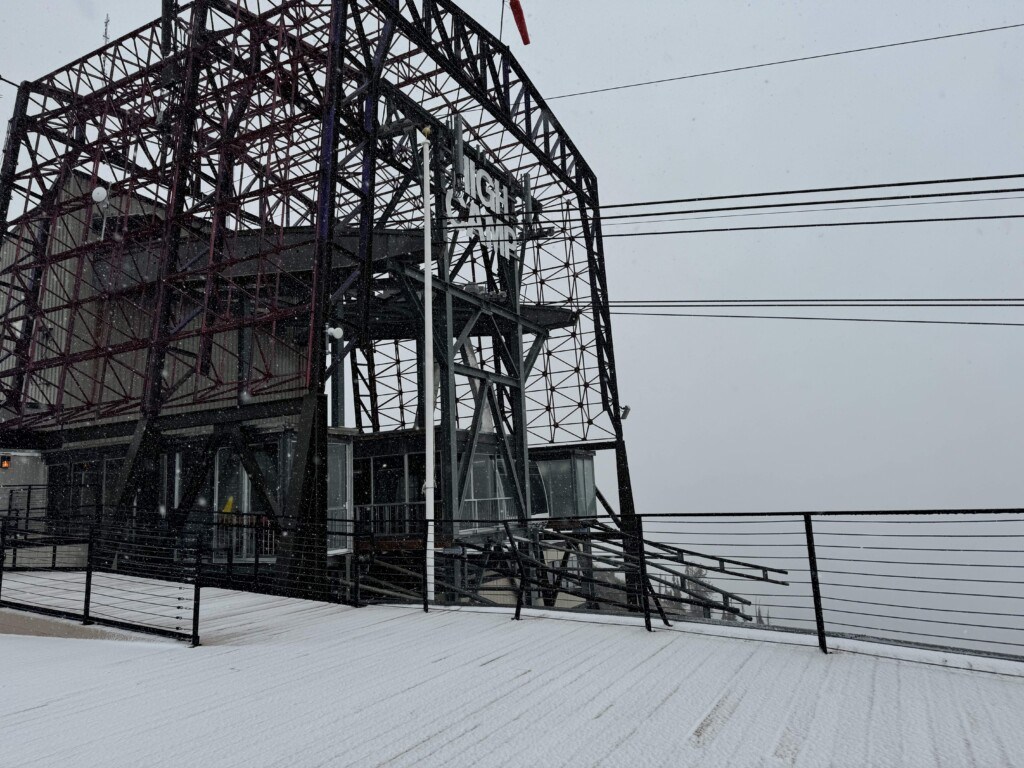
(295, 683)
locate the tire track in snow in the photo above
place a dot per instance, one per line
(710, 670)
(800, 715)
(760, 697)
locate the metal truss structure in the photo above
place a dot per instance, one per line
(187, 209)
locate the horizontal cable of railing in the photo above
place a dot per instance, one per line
(103, 574)
(892, 575)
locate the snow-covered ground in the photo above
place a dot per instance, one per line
(281, 682)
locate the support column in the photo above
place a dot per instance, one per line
(302, 564)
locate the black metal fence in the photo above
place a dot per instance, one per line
(946, 579)
(102, 572)
(942, 579)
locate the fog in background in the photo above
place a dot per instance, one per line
(732, 414)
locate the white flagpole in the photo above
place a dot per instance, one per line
(428, 365)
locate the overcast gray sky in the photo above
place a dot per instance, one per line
(732, 414)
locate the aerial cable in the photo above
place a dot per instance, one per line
(548, 239)
(787, 301)
(761, 206)
(555, 222)
(784, 61)
(817, 190)
(811, 226)
(823, 319)
(805, 304)
(839, 209)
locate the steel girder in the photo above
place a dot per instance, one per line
(207, 130)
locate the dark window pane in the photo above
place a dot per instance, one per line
(388, 480)
(417, 476)
(266, 459)
(362, 482)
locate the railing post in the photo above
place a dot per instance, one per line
(231, 555)
(426, 563)
(88, 577)
(3, 553)
(258, 531)
(197, 578)
(642, 554)
(522, 571)
(14, 538)
(355, 562)
(812, 561)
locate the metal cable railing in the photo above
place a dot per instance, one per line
(103, 573)
(891, 577)
(944, 579)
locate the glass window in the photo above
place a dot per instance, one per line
(586, 497)
(191, 462)
(87, 482)
(228, 487)
(362, 482)
(338, 517)
(417, 476)
(538, 496)
(266, 459)
(59, 491)
(388, 480)
(337, 478)
(557, 475)
(111, 474)
(483, 483)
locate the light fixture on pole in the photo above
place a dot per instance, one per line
(99, 196)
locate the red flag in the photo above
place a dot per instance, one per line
(520, 17)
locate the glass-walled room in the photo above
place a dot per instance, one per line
(242, 519)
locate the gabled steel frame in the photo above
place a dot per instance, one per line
(227, 123)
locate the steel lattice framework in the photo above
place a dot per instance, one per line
(260, 185)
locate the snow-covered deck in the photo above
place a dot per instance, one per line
(294, 683)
